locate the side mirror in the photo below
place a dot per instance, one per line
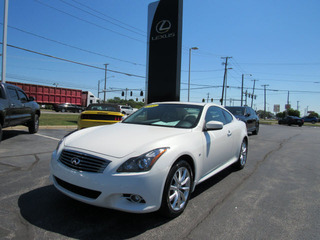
(213, 125)
(31, 99)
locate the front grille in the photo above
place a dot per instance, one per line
(101, 117)
(83, 162)
(78, 190)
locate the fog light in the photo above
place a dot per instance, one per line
(134, 198)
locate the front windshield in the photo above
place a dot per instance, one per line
(236, 110)
(167, 115)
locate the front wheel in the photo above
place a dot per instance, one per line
(34, 124)
(255, 132)
(242, 155)
(177, 189)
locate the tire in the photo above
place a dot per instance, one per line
(34, 124)
(177, 190)
(63, 110)
(313, 122)
(242, 160)
(255, 132)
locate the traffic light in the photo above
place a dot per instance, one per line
(122, 94)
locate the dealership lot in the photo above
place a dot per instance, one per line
(276, 196)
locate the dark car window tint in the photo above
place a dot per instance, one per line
(13, 93)
(215, 114)
(22, 96)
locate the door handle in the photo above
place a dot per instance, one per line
(229, 133)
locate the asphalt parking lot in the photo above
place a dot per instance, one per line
(276, 196)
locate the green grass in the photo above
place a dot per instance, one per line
(47, 119)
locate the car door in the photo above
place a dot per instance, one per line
(219, 144)
(26, 106)
(250, 118)
(15, 114)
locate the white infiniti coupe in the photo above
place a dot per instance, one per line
(152, 160)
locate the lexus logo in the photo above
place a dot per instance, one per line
(75, 161)
(163, 26)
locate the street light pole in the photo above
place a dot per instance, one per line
(4, 41)
(265, 99)
(193, 48)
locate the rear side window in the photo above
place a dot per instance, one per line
(22, 96)
(228, 116)
(13, 93)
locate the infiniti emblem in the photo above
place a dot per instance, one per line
(75, 161)
(163, 26)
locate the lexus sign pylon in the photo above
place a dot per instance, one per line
(164, 51)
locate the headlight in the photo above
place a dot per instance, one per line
(142, 163)
(62, 139)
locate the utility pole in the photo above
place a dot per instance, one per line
(298, 105)
(224, 87)
(252, 96)
(242, 87)
(105, 83)
(4, 41)
(265, 99)
(98, 88)
(246, 94)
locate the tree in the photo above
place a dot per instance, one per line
(313, 114)
(264, 115)
(290, 112)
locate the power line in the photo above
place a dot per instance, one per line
(71, 61)
(74, 47)
(91, 23)
(102, 18)
(108, 16)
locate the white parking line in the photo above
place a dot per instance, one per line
(57, 139)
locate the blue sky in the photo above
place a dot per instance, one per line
(277, 41)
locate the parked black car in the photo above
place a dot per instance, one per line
(247, 115)
(67, 107)
(313, 120)
(291, 120)
(16, 108)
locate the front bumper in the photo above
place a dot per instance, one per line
(110, 189)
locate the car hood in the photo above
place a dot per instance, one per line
(121, 139)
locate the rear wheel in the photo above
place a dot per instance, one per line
(34, 124)
(242, 155)
(177, 189)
